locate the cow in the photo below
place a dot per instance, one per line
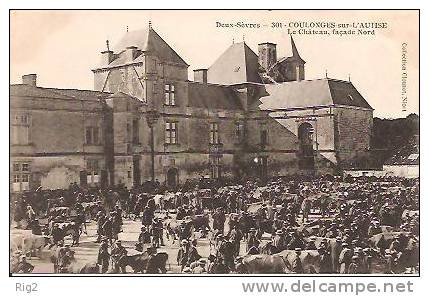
(310, 260)
(201, 222)
(383, 240)
(262, 264)
(90, 209)
(28, 243)
(139, 262)
(82, 268)
(178, 229)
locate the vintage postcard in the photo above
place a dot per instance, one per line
(214, 142)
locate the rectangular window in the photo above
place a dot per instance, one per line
(20, 129)
(215, 167)
(95, 135)
(264, 137)
(21, 176)
(171, 132)
(92, 135)
(88, 135)
(135, 131)
(239, 131)
(169, 92)
(92, 172)
(214, 133)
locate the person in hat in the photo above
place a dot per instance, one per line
(101, 218)
(296, 265)
(181, 213)
(235, 237)
(390, 258)
(64, 258)
(219, 219)
(252, 240)
(201, 267)
(225, 252)
(57, 234)
(30, 214)
(295, 241)
(147, 216)
(36, 229)
(367, 260)
(354, 265)
(103, 258)
(108, 228)
(144, 238)
(119, 255)
(335, 249)
(345, 258)
(186, 254)
(156, 229)
(325, 261)
(311, 244)
(395, 245)
(152, 266)
(279, 241)
(374, 228)
(305, 207)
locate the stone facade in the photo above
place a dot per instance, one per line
(48, 137)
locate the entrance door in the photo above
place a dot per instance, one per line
(136, 171)
(305, 136)
(172, 176)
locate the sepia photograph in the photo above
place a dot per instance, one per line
(227, 142)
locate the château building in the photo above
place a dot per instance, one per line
(247, 114)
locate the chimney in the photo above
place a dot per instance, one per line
(200, 75)
(29, 79)
(267, 54)
(107, 56)
(130, 53)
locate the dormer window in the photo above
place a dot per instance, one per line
(170, 99)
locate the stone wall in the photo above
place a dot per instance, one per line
(353, 133)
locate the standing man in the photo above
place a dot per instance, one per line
(157, 231)
(103, 256)
(279, 241)
(119, 256)
(345, 258)
(108, 229)
(252, 241)
(152, 265)
(297, 263)
(101, 218)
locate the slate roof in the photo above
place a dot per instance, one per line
(212, 96)
(407, 155)
(146, 40)
(238, 64)
(307, 93)
(24, 90)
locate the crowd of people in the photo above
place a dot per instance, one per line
(352, 225)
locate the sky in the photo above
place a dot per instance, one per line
(62, 47)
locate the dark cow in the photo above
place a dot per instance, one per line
(384, 239)
(139, 262)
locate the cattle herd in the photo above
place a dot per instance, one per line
(328, 224)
